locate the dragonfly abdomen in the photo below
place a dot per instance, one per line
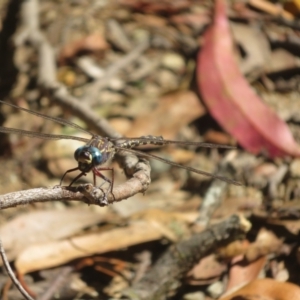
(143, 140)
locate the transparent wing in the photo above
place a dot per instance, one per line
(139, 153)
(54, 119)
(39, 135)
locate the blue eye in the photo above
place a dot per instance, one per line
(88, 155)
(96, 156)
(78, 151)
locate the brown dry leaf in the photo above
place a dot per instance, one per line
(66, 76)
(279, 270)
(233, 205)
(174, 111)
(206, 271)
(196, 20)
(150, 20)
(266, 243)
(91, 43)
(254, 44)
(233, 249)
(281, 60)
(293, 226)
(271, 8)
(217, 137)
(44, 226)
(157, 6)
(265, 169)
(243, 10)
(266, 289)
(170, 224)
(47, 255)
(166, 217)
(292, 6)
(242, 272)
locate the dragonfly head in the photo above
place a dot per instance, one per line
(88, 157)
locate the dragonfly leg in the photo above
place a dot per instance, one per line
(71, 170)
(77, 177)
(97, 172)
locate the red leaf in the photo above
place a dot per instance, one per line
(231, 100)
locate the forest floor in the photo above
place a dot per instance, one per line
(197, 72)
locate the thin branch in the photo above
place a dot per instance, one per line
(215, 193)
(112, 71)
(57, 283)
(12, 274)
(86, 192)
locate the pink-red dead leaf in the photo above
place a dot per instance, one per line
(232, 101)
(207, 271)
(266, 289)
(242, 272)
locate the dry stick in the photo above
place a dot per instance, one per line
(168, 271)
(127, 59)
(211, 201)
(144, 259)
(85, 193)
(275, 180)
(215, 193)
(12, 274)
(56, 284)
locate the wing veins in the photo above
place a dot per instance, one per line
(53, 119)
(223, 178)
(45, 136)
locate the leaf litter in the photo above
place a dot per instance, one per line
(155, 94)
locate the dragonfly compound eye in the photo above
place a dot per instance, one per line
(88, 155)
(96, 155)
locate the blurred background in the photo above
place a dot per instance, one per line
(222, 72)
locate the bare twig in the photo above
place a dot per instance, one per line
(275, 180)
(86, 193)
(211, 202)
(215, 193)
(12, 274)
(115, 68)
(168, 271)
(145, 261)
(57, 283)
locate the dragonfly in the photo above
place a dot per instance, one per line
(98, 150)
